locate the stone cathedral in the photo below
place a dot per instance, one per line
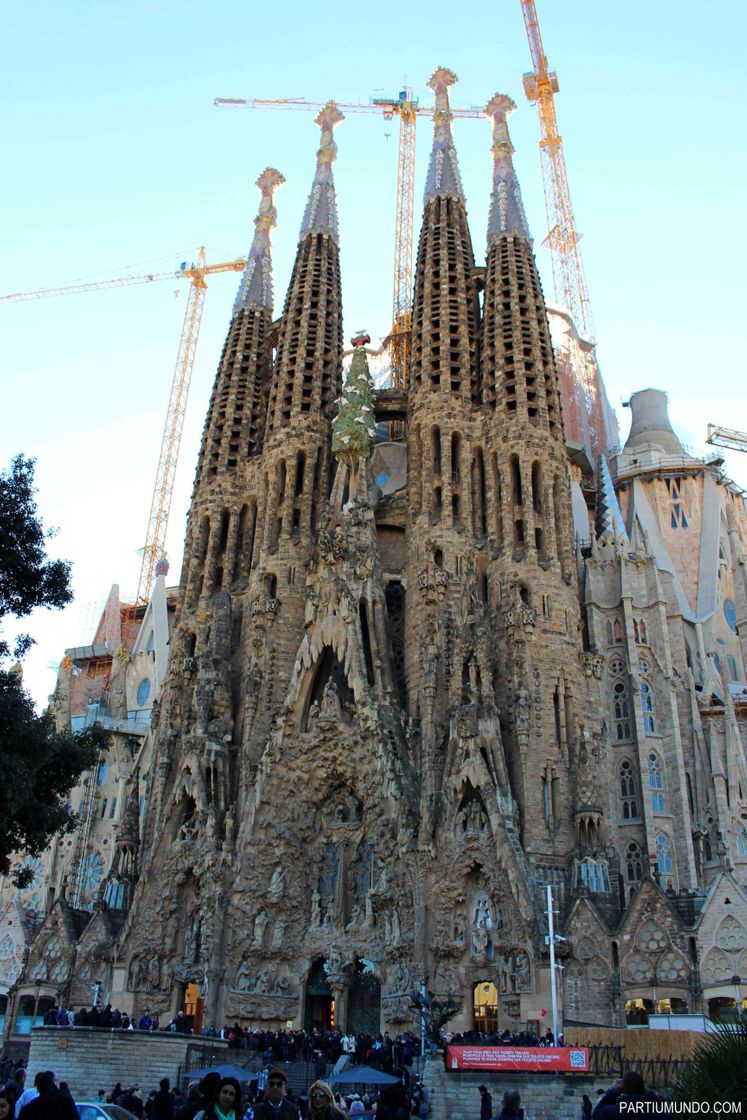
(428, 659)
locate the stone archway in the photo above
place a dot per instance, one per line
(364, 999)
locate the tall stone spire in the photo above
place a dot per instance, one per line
(234, 426)
(506, 207)
(308, 369)
(255, 290)
(321, 208)
(445, 323)
(443, 179)
(518, 370)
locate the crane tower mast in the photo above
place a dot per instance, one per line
(562, 239)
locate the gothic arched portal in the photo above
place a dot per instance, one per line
(364, 1000)
(319, 1006)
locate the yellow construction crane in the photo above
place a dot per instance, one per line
(726, 437)
(163, 489)
(407, 108)
(562, 239)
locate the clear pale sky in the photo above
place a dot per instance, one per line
(116, 161)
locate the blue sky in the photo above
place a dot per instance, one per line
(116, 161)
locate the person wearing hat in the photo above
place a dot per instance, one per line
(275, 1104)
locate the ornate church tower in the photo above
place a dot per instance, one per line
(546, 686)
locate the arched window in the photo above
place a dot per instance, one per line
(628, 792)
(663, 855)
(741, 843)
(622, 710)
(656, 783)
(618, 630)
(647, 705)
(633, 863)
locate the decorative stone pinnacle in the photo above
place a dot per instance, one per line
(440, 81)
(255, 290)
(507, 217)
(268, 183)
(443, 179)
(500, 107)
(360, 338)
(321, 209)
(327, 120)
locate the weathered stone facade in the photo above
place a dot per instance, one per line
(412, 683)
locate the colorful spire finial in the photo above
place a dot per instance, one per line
(507, 217)
(444, 179)
(321, 209)
(255, 290)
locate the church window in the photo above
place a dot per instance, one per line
(104, 805)
(395, 609)
(741, 843)
(479, 496)
(656, 783)
(647, 705)
(103, 767)
(628, 791)
(113, 809)
(516, 492)
(663, 855)
(622, 710)
(730, 614)
(456, 452)
(143, 692)
(633, 863)
(678, 516)
(617, 667)
(617, 626)
(436, 450)
(556, 715)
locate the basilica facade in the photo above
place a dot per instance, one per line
(430, 656)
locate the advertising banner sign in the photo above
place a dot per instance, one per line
(542, 1059)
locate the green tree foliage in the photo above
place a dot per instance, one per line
(38, 764)
(719, 1066)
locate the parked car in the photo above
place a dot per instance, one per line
(96, 1111)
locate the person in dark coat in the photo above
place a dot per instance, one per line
(630, 1087)
(206, 1091)
(512, 1109)
(275, 1104)
(51, 1104)
(486, 1103)
(162, 1106)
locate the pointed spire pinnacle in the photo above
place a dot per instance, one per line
(609, 518)
(321, 209)
(507, 217)
(255, 289)
(444, 179)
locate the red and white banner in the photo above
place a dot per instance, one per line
(543, 1059)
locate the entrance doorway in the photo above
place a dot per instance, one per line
(364, 1000)
(194, 1007)
(485, 1007)
(319, 1011)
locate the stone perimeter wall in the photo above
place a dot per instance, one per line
(90, 1059)
(544, 1096)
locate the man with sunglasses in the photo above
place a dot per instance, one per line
(275, 1104)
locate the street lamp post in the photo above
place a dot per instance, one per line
(551, 940)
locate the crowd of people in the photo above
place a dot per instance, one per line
(503, 1038)
(380, 1051)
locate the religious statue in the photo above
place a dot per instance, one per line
(260, 922)
(316, 908)
(278, 934)
(277, 884)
